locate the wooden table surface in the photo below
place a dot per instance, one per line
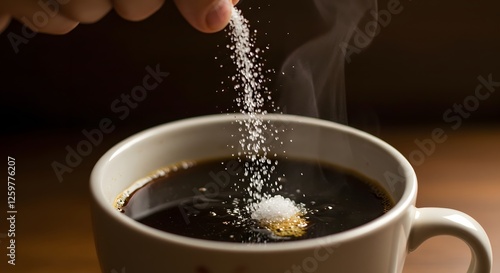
(53, 228)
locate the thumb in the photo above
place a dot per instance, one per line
(206, 15)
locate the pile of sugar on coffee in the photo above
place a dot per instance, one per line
(282, 216)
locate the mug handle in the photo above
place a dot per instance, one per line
(430, 222)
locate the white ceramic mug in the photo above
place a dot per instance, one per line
(379, 246)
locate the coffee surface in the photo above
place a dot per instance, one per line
(207, 200)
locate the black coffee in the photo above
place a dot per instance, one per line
(200, 200)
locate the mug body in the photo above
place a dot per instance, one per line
(124, 245)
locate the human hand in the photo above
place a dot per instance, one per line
(61, 16)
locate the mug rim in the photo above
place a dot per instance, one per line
(409, 193)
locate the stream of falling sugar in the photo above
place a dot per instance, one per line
(248, 83)
(253, 143)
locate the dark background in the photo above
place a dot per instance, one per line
(424, 61)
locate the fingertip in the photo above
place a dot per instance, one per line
(58, 29)
(57, 25)
(206, 16)
(64, 29)
(218, 16)
(86, 11)
(133, 10)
